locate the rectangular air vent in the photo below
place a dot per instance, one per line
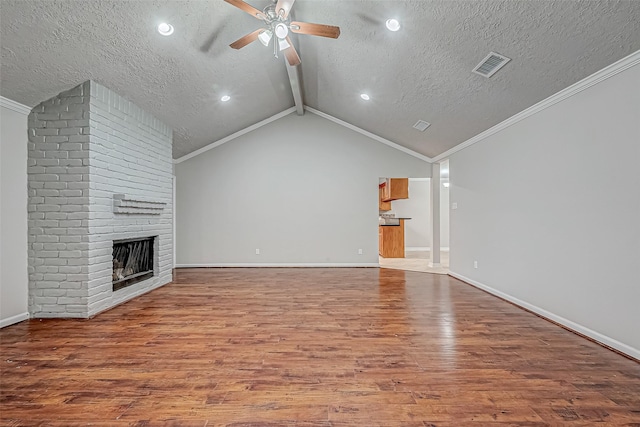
(491, 64)
(421, 125)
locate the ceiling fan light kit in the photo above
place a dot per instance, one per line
(281, 31)
(276, 18)
(283, 44)
(265, 37)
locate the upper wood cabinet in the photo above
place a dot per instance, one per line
(395, 188)
(382, 206)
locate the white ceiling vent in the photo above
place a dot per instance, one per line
(421, 125)
(491, 64)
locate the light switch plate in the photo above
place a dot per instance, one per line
(454, 205)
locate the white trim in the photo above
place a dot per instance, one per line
(14, 319)
(14, 106)
(278, 264)
(624, 348)
(234, 135)
(369, 134)
(419, 179)
(610, 71)
(434, 264)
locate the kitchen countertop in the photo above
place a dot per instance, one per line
(393, 225)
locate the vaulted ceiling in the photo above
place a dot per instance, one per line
(422, 71)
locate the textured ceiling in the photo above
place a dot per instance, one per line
(422, 71)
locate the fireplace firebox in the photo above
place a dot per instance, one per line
(133, 261)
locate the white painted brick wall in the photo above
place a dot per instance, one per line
(130, 154)
(58, 274)
(85, 146)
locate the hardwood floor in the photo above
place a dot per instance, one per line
(417, 261)
(312, 347)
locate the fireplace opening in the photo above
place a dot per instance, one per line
(132, 261)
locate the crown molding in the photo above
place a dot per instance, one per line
(369, 134)
(597, 77)
(234, 135)
(14, 106)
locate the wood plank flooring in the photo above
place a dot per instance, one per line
(314, 348)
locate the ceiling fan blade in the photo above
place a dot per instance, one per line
(315, 29)
(247, 8)
(249, 38)
(291, 54)
(285, 6)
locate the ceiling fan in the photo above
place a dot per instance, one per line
(276, 18)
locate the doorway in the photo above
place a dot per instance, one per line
(416, 230)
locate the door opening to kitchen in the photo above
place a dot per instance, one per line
(404, 224)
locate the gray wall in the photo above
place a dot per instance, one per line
(303, 190)
(444, 217)
(416, 207)
(550, 209)
(14, 282)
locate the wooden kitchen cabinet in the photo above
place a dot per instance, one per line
(382, 205)
(395, 188)
(391, 240)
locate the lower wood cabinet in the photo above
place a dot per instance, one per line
(391, 240)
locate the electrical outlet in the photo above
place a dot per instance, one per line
(257, 251)
(359, 251)
(475, 264)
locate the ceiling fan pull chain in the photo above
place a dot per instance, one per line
(275, 47)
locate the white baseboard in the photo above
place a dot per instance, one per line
(276, 264)
(14, 319)
(603, 339)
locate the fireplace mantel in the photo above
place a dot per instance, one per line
(132, 205)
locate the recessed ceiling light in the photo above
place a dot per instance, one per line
(365, 96)
(225, 98)
(393, 24)
(165, 29)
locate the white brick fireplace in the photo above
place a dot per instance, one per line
(100, 169)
